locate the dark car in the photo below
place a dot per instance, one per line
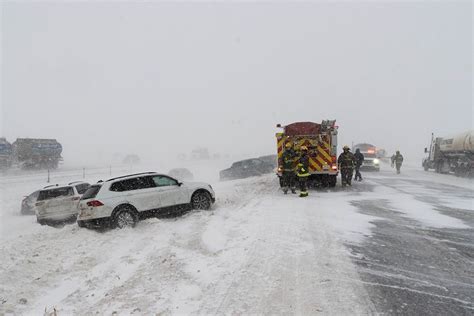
(28, 203)
(270, 159)
(246, 168)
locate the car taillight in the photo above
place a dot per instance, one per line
(334, 167)
(95, 203)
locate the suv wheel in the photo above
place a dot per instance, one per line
(125, 217)
(201, 200)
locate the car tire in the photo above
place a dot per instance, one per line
(40, 221)
(201, 200)
(126, 216)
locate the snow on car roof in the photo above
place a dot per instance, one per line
(56, 186)
(136, 174)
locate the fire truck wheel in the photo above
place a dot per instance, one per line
(332, 181)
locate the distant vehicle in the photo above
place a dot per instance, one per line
(381, 153)
(270, 159)
(451, 154)
(37, 153)
(371, 161)
(58, 203)
(321, 141)
(200, 153)
(181, 174)
(6, 154)
(123, 201)
(245, 169)
(131, 160)
(28, 204)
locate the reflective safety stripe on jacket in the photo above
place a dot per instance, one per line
(302, 172)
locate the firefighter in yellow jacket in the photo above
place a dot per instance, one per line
(302, 172)
(288, 160)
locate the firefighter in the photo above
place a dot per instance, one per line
(288, 163)
(346, 163)
(392, 160)
(398, 160)
(359, 159)
(302, 171)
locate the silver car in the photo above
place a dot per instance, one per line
(58, 203)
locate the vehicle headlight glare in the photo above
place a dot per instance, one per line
(376, 161)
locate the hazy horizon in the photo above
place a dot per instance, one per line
(159, 79)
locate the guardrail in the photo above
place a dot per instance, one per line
(60, 175)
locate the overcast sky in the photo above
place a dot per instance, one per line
(161, 78)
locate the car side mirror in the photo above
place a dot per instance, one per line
(426, 150)
(180, 184)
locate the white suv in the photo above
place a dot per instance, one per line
(122, 201)
(59, 202)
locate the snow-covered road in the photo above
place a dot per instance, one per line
(258, 251)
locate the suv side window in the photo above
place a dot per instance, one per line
(164, 181)
(132, 184)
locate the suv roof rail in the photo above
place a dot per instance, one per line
(51, 185)
(131, 175)
(74, 182)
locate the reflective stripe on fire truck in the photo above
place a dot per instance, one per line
(280, 141)
(324, 152)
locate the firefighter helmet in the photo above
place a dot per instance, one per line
(345, 148)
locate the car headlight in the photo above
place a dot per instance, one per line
(376, 161)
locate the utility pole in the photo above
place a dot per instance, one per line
(48, 176)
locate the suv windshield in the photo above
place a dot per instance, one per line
(54, 193)
(91, 192)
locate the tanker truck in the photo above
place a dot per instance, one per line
(451, 154)
(37, 153)
(6, 156)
